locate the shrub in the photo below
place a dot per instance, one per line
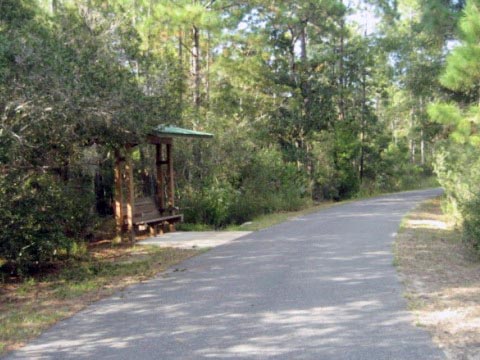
(268, 184)
(471, 223)
(264, 184)
(210, 205)
(40, 217)
(458, 170)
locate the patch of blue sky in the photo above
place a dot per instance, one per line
(362, 17)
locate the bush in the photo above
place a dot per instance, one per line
(41, 218)
(471, 223)
(458, 170)
(268, 185)
(264, 184)
(395, 172)
(211, 205)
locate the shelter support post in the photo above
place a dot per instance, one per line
(171, 184)
(130, 195)
(118, 193)
(160, 178)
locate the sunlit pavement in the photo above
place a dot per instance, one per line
(321, 286)
(194, 239)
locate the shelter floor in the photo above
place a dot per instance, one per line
(194, 239)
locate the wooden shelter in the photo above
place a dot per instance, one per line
(158, 212)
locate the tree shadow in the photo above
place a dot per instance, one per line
(321, 286)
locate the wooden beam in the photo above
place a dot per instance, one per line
(130, 195)
(160, 178)
(118, 193)
(152, 139)
(171, 184)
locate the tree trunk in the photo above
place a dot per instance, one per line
(341, 72)
(394, 131)
(54, 6)
(412, 141)
(196, 91)
(422, 135)
(305, 85)
(413, 151)
(303, 43)
(196, 67)
(207, 76)
(363, 125)
(422, 147)
(180, 66)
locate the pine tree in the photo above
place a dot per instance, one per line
(462, 75)
(458, 164)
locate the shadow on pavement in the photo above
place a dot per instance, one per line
(321, 286)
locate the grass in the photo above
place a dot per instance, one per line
(442, 280)
(194, 227)
(27, 307)
(259, 222)
(369, 189)
(267, 220)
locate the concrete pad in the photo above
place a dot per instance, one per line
(194, 239)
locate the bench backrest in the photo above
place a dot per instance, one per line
(145, 209)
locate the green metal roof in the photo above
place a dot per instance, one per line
(170, 130)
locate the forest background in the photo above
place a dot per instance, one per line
(306, 104)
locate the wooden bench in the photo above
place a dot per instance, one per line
(146, 213)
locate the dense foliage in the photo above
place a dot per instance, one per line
(458, 163)
(305, 102)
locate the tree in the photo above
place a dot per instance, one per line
(458, 166)
(64, 87)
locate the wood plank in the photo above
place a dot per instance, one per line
(144, 200)
(152, 139)
(173, 218)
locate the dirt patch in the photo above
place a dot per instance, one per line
(442, 280)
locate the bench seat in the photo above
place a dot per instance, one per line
(147, 213)
(168, 218)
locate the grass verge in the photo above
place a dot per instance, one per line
(369, 189)
(31, 305)
(267, 220)
(442, 280)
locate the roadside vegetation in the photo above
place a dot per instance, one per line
(307, 106)
(441, 277)
(264, 221)
(304, 104)
(458, 153)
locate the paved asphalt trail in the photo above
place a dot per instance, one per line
(321, 286)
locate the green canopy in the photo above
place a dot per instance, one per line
(170, 130)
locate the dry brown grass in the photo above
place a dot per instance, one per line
(442, 280)
(30, 306)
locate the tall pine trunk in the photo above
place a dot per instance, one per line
(196, 67)
(363, 125)
(341, 71)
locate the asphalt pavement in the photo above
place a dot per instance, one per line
(320, 286)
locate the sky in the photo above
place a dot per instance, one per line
(363, 16)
